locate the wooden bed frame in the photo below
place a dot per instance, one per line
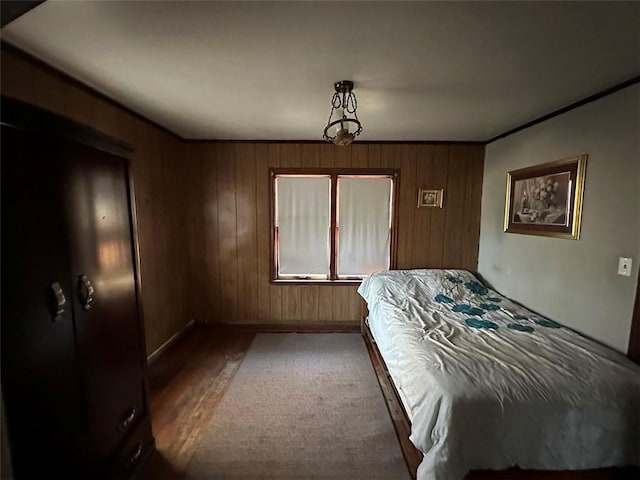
(399, 416)
(413, 456)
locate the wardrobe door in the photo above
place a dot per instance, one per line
(97, 205)
(40, 371)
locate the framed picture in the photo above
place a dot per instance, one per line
(429, 198)
(546, 199)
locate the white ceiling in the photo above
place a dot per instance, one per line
(265, 70)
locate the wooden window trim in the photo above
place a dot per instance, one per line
(394, 173)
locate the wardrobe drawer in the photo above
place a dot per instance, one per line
(134, 452)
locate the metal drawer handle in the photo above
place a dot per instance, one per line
(86, 292)
(136, 456)
(127, 421)
(61, 301)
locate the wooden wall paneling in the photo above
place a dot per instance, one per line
(145, 222)
(227, 233)
(309, 304)
(406, 155)
(374, 159)
(174, 224)
(291, 303)
(454, 227)
(154, 242)
(21, 83)
(325, 304)
(389, 155)
(309, 310)
(290, 155)
(274, 151)
(342, 157)
(182, 241)
(275, 291)
(310, 155)
(263, 232)
(471, 213)
(340, 307)
(439, 175)
(211, 259)
(245, 161)
(355, 304)
(164, 276)
(163, 222)
(110, 115)
(421, 237)
(239, 151)
(424, 178)
(180, 234)
(359, 155)
(327, 152)
(154, 286)
(81, 102)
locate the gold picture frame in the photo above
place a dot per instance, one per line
(430, 198)
(546, 199)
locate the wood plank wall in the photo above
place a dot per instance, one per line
(161, 190)
(231, 251)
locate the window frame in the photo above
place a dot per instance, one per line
(333, 173)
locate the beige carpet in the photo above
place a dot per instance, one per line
(302, 406)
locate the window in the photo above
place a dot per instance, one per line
(332, 224)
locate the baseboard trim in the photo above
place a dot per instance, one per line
(290, 327)
(156, 353)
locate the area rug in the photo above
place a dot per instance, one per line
(301, 406)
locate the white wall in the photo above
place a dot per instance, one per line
(572, 281)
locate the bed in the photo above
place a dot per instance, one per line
(488, 384)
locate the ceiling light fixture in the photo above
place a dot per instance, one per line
(344, 106)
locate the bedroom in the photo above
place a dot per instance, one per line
(200, 256)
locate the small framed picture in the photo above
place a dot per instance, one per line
(429, 198)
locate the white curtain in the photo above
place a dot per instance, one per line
(364, 222)
(303, 220)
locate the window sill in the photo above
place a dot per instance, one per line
(298, 281)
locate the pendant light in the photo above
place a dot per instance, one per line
(343, 125)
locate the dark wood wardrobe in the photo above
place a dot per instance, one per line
(73, 358)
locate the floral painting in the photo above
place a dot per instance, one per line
(543, 200)
(546, 199)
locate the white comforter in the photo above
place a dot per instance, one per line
(490, 385)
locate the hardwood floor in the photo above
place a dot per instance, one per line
(188, 380)
(186, 384)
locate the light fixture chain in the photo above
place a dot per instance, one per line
(333, 108)
(351, 104)
(336, 102)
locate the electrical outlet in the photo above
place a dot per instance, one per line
(624, 266)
